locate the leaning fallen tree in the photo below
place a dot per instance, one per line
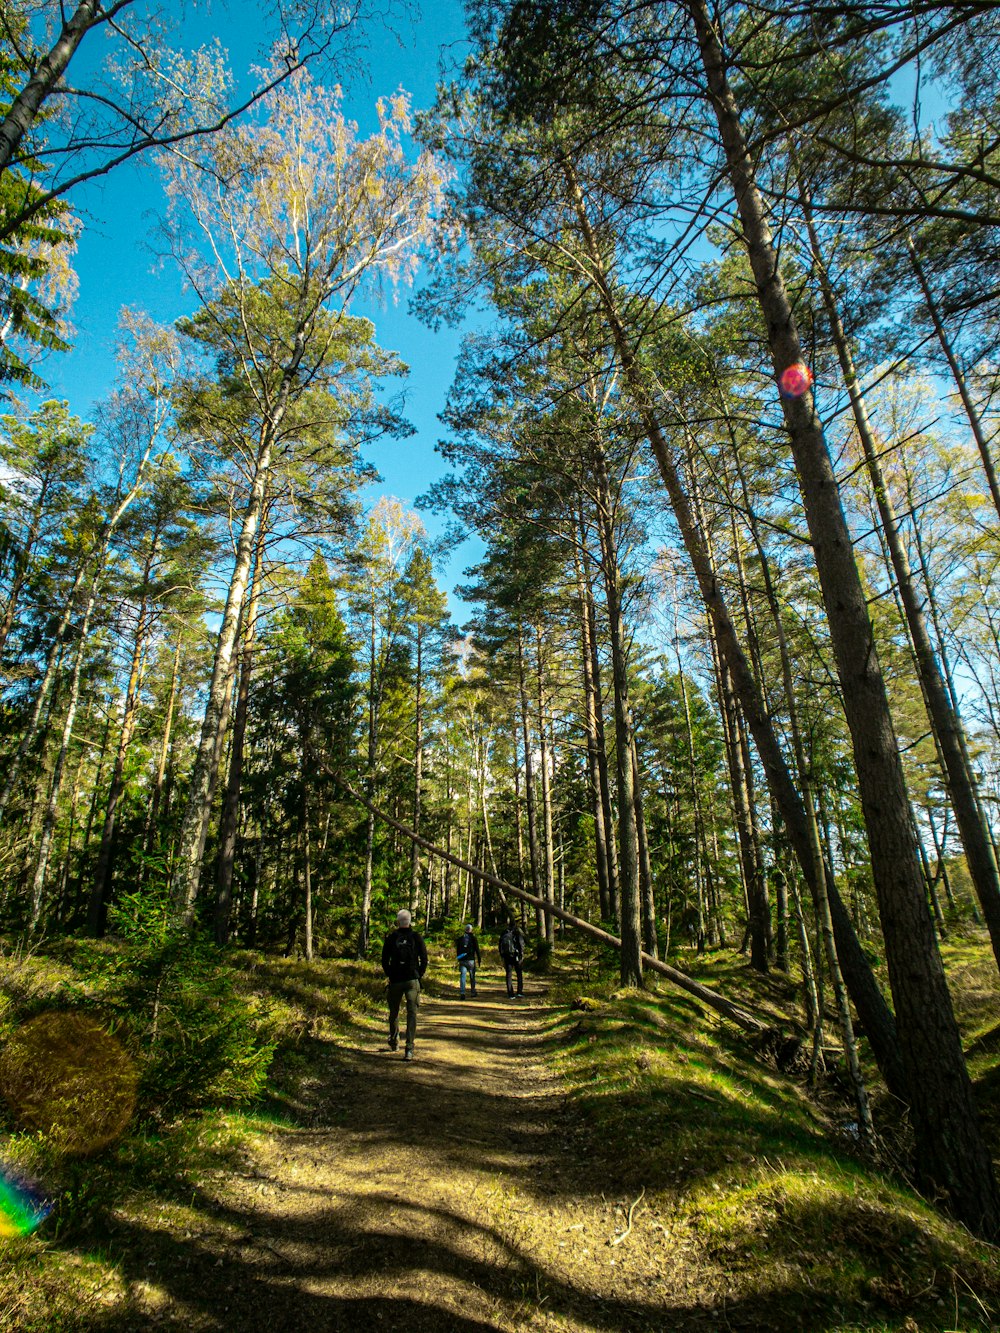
(710, 998)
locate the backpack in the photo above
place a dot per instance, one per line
(510, 947)
(465, 948)
(404, 963)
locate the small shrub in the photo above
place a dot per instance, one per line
(541, 962)
(197, 1042)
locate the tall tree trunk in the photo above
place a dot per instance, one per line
(529, 777)
(44, 77)
(95, 788)
(544, 760)
(945, 718)
(518, 819)
(96, 562)
(484, 810)
(194, 824)
(975, 421)
(951, 1152)
(781, 923)
(739, 760)
(876, 1016)
(590, 705)
(418, 772)
(30, 732)
(758, 914)
(942, 866)
(51, 810)
(97, 906)
(759, 917)
(229, 821)
(646, 883)
(760, 906)
(307, 857)
(165, 741)
(603, 769)
(64, 909)
(23, 564)
(628, 838)
(850, 965)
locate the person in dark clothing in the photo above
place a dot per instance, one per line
(467, 948)
(512, 945)
(404, 962)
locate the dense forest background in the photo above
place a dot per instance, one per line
(725, 428)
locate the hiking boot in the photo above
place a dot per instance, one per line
(393, 1044)
(407, 1055)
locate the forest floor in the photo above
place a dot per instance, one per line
(536, 1167)
(451, 1193)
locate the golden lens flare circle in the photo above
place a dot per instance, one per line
(62, 1073)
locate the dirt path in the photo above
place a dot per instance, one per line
(453, 1193)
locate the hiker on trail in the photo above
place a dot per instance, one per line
(512, 945)
(467, 948)
(404, 962)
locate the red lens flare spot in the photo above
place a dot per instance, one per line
(795, 380)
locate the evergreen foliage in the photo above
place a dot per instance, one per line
(197, 1040)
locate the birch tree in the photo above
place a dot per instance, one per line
(276, 224)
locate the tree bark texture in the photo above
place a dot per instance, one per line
(951, 1152)
(975, 421)
(878, 1020)
(945, 719)
(546, 782)
(26, 106)
(194, 825)
(628, 838)
(229, 821)
(590, 706)
(97, 906)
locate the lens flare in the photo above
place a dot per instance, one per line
(795, 380)
(64, 1075)
(22, 1209)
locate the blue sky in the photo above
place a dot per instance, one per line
(117, 266)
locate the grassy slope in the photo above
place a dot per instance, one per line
(745, 1175)
(760, 1183)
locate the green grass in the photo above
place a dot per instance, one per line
(759, 1180)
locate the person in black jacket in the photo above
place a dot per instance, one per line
(404, 962)
(467, 950)
(511, 946)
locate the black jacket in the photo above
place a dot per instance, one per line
(467, 947)
(401, 963)
(518, 944)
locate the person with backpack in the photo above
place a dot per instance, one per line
(512, 945)
(467, 949)
(404, 962)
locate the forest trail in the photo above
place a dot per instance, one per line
(453, 1193)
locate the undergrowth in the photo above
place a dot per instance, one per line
(274, 1015)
